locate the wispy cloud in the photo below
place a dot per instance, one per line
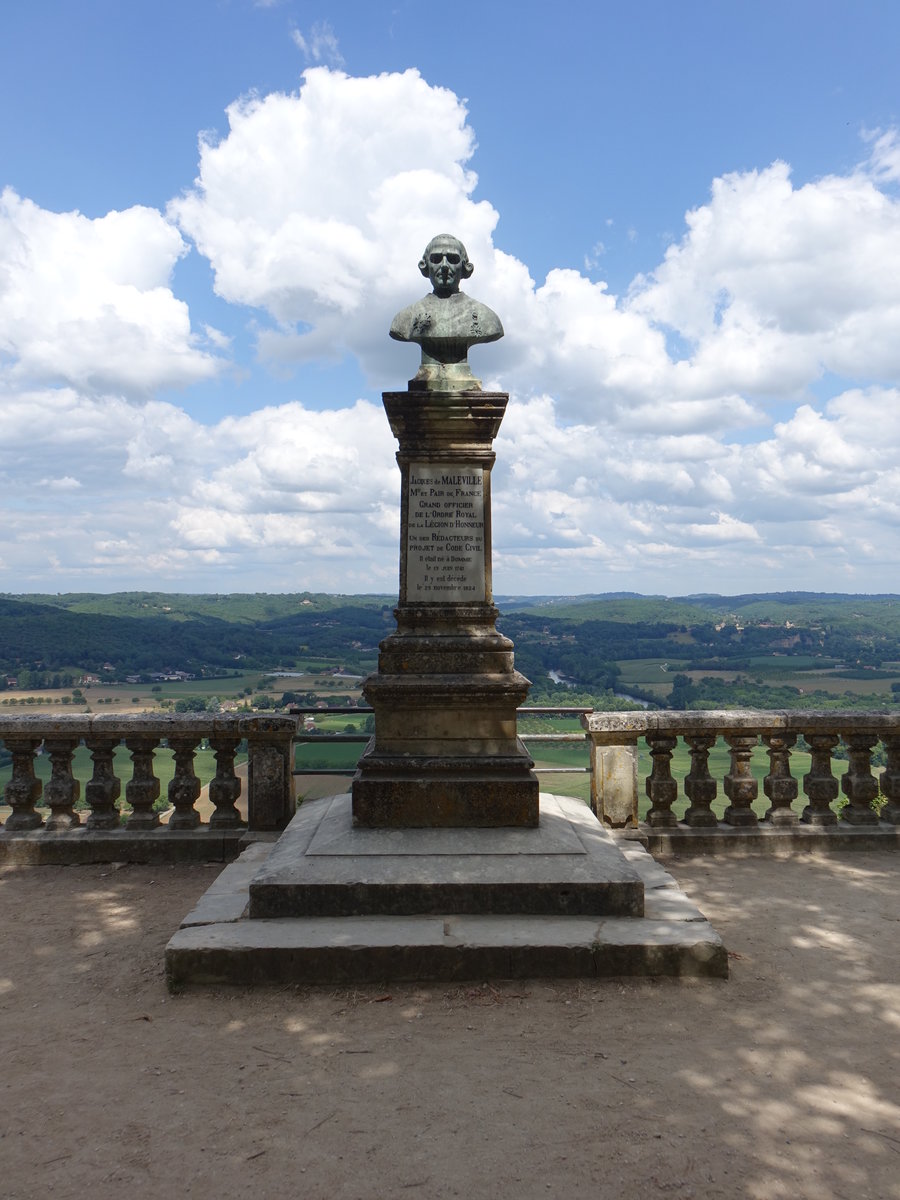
(319, 45)
(884, 157)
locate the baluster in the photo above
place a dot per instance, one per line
(226, 787)
(890, 779)
(820, 785)
(660, 786)
(780, 785)
(740, 786)
(102, 790)
(184, 787)
(24, 788)
(699, 786)
(62, 788)
(143, 787)
(858, 784)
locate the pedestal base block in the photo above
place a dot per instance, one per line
(490, 791)
(445, 753)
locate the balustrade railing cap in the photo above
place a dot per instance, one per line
(163, 725)
(615, 723)
(259, 725)
(735, 720)
(36, 726)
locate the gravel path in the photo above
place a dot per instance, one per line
(781, 1082)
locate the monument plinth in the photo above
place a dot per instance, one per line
(445, 750)
(440, 864)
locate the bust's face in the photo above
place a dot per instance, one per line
(444, 263)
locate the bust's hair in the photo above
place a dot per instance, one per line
(467, 266)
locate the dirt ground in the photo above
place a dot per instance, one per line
(781, 1082)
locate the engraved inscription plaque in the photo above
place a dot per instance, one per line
(445, 534)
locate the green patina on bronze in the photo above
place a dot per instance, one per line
(446, 322)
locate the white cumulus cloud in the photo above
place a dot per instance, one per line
(731, 421)
(86, 301)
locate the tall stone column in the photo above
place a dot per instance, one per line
(445, 750)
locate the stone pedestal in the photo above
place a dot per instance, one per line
(445, 751)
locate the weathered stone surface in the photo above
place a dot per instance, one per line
(660, 786)
(121, 726)
(777, 841)
(858, 784)
(270, 781)
(226, 898)
(78, 846)
(614, 785)
(741, 786)
(445, 750)
(743, 731)
(889, 780)
(433, 791)
(608, 725)
(323, 866)
(433, 802)
(24, 788)
(779, 785)
(376, 947)
(668, 903)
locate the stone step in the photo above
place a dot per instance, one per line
(344, 950)
(219, 943)
(324, 866)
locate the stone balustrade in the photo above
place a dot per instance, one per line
(269, 800)
(614, 739)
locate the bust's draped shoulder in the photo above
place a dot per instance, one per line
(457, 318)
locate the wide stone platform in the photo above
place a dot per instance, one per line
(324, 867)
(331, 904)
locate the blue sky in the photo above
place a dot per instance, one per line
(189, 395)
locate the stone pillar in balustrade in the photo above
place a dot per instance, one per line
(661, 787)
(890, 779)
(184, 786)
(820, 785)
(614, 783)
(104, 787)
(142, 790)
(699, 786)
(24, 788)
(270, 784)
(858, 784)
(741, 787)
(62, 789)
(225, 788)
(780, 785)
